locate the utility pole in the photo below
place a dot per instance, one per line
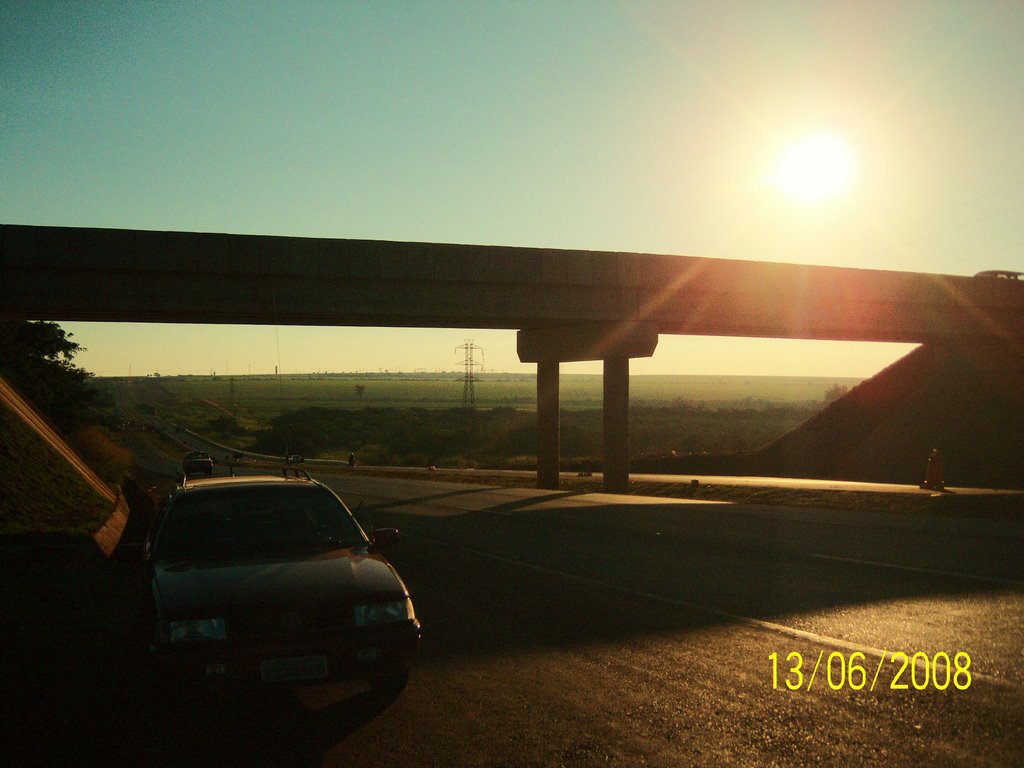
(468, 366)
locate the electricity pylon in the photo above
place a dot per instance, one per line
(468, 366)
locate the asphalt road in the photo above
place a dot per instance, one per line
(593, 630)
(585, 630)
(808, 484)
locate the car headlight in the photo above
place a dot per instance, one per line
(375, 614)
(193, 630)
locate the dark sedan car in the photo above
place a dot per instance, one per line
(271, 579)
(196, 462)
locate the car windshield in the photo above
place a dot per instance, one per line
(255, 522)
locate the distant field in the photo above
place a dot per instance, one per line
(415, 418)
(263, 397)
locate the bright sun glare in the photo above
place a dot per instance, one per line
(816, 167)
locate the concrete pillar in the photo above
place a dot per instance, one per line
(616, 424)
(614, 343)
(547, 424)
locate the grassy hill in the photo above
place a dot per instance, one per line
(967, 402)
(38, 490)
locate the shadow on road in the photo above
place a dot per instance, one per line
(76, 688)
(602, 558)
(257, 728)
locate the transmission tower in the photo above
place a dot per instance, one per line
(468, 366)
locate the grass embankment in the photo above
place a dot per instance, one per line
(107, 458)
(39, 492)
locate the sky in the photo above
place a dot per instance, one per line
(634, 126)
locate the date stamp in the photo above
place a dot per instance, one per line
(917, 671)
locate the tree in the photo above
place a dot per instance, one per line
(835, 392)
(36, 357)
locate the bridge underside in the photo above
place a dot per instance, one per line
(567, 305)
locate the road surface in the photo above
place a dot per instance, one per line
(189, 441)
(567, 629)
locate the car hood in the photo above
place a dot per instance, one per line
(332, 580)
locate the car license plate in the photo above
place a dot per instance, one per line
(293, 670)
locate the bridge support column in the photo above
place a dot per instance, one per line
(547, 424)
(616, 424)
(615, 344)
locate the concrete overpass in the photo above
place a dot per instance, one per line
(566, 305)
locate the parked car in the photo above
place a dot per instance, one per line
(196, 462)
(270, 579)
(1002, 274)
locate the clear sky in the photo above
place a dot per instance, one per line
(628, 126)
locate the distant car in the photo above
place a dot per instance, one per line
(196, 462)
(1001, 273)
(270, 579)
(295, 458)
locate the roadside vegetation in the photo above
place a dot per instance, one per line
(507, 438)
(105, 454)
(417, 419)
(37, 359)
(38, 491)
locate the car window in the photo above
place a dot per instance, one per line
(255, 522)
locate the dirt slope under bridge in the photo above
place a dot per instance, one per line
(967, 402)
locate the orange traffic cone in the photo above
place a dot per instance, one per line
(933, 475)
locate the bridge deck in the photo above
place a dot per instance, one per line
(63, 273)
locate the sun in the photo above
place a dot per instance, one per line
(815, 168)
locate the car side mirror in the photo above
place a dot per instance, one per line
(385, 537)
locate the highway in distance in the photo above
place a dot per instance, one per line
(585, 630)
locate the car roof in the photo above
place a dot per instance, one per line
(247, 481)
(1003, 273)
